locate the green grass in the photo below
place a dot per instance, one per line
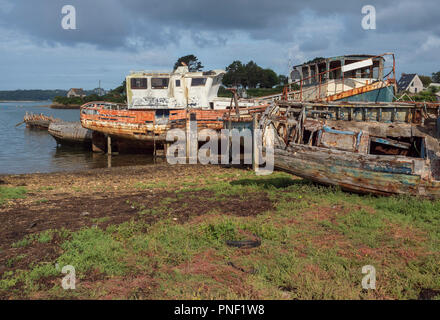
(314, 243)
(7, 193)
(93, 249)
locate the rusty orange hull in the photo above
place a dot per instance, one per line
(144, 125)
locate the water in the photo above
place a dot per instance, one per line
(24, 150)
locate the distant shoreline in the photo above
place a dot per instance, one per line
(8, 101)
(51, 105)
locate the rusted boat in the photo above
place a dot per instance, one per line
(160, 101)
(380, 148)
(70, 133)
(355, 138)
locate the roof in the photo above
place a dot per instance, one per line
(347, 57)
(179, 70)
(77, 90)
(405, 81)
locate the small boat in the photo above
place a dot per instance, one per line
(37, 121)
(70, 133)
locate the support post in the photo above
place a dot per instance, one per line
(255, 145)
(154, 146)
(109, 145)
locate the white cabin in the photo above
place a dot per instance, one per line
(180, 89)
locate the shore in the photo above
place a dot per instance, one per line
(165, 232)
(52, 105)
(64, 106)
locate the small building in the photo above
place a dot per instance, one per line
(75, 92)
(410, 82)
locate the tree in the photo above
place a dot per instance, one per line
(436, 77)
(282, 79)
(317, 59)
(426, 80)
(249, 75)
(191, 61)
(269, 79)
(254, 74)
(235, 75)
(120, 90)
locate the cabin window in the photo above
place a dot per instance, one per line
(198, 82)
(139, 83)
(335, 74)
(398, 146)
(296, 75)
(177, 83)
(159, 83)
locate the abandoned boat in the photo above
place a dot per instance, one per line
(37, 121)
(345, 78)
(380, 148)
(159, 101)
(70, 133)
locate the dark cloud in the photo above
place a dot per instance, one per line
(112, 23)
(155, 32)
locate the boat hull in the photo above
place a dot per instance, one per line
(358, 172)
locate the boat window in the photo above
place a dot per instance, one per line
(335, 74)
(162, 113)
(197, 82)
(398, 146)
(159, 83)
(139, 83)
(296, 75)
(177, 83)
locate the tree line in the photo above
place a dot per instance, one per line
(238, 74)
(30, 95)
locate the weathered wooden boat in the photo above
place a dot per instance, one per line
(38, 121)
(70, 133)
(380, 148)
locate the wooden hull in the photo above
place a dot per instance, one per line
(358, 172)
(70, 133)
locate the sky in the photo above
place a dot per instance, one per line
(113, 37)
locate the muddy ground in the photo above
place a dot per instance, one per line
(103, 197)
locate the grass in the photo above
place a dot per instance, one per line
(314, 242)
(7, 193)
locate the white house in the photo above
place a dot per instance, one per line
(410, 82)
(75, 92)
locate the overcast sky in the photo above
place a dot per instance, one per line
(115, 36)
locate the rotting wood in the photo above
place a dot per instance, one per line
(400, 156)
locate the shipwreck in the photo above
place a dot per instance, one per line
(363, 141)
